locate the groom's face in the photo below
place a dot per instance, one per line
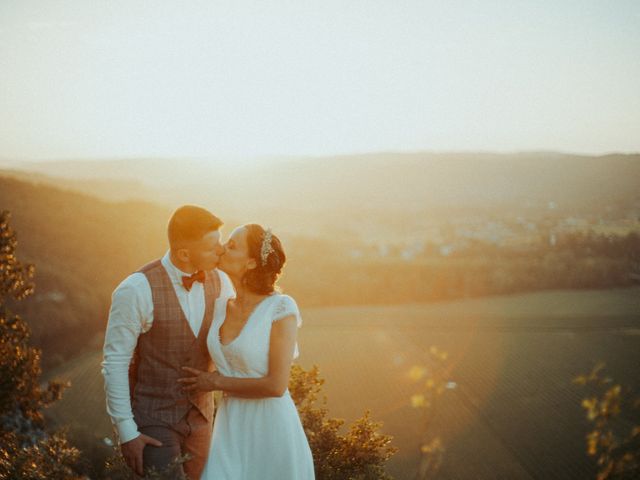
(204, 254)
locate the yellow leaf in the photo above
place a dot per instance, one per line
(418, 401)
(417, 372)
(592, 443)
(580, 380)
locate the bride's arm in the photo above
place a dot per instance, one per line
(274, 384)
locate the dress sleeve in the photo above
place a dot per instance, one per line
(286, 306)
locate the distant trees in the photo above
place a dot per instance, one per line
(83, 247)
(27, 451)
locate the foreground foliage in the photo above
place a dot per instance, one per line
(359, 454)
(27, 451)
(614, 441)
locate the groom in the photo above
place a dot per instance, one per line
(158, 323)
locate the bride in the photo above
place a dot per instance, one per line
(257, 431)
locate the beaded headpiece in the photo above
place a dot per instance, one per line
(266, 248)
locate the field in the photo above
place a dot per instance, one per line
(513, 413)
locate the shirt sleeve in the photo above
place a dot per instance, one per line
(130, 315)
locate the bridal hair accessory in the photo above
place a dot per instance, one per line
(266, 248)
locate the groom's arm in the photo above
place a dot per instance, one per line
(130, 314)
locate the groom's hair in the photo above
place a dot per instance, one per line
(190, 223)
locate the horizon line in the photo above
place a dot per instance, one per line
(310, 155)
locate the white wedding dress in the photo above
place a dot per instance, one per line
(255, 438)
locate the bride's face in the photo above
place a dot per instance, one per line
(236, 260)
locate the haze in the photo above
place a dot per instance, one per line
(98, 79)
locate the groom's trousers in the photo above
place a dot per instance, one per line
(191, 435)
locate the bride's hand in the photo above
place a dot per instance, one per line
(199, 381)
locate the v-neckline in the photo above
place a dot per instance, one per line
(226, 306)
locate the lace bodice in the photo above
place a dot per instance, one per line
(247, 355)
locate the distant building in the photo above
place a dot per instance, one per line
(446, 250)
(407, 255)
(356, 253)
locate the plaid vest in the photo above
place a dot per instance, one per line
(165, 348)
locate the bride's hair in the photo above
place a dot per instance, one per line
(262, 279)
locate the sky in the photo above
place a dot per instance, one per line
(107, 78)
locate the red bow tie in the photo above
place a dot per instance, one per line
(196, 277)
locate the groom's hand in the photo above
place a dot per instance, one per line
(199, 381)
(132, 451)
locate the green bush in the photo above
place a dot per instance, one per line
(616, 448)
(27, 451)
(359, 454)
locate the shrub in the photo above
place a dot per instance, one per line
(27, 451)
(617, 454)
(359, 454)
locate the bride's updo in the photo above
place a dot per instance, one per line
(262, 279)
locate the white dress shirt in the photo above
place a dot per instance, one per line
(130, 315)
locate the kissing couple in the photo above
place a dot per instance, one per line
(206, 316)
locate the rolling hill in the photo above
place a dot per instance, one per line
(307, 193)
(82, 248)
